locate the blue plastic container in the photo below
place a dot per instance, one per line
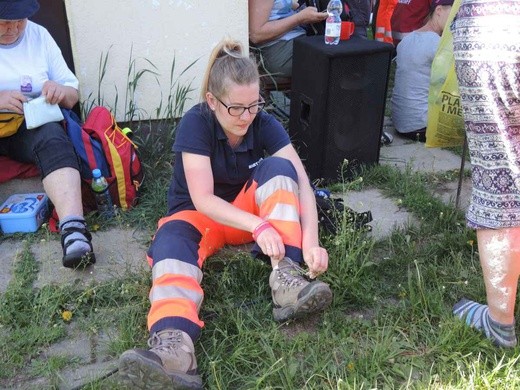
(23, 213)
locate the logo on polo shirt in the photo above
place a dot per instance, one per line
(253, 165)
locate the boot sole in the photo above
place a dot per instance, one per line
(316, 299)
(138, 372)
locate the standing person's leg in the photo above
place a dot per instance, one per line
(180, 246)
(487, 62)
(50, 149)
(272, 193)
(499, 252)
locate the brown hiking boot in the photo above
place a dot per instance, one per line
(169, 364)
(293, 295)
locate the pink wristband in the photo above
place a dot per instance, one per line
(260, 228)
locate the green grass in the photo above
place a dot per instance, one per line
(389, 325)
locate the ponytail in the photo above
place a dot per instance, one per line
(227, 64)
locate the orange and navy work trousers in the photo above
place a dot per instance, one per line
(185, 239)
(383, 25)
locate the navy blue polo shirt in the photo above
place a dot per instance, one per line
(199, 132)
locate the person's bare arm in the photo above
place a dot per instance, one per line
(262, 30)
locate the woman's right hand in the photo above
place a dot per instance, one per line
(271, 244)
(310, 15)
(12, 101)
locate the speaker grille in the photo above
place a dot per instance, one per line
(338, 114)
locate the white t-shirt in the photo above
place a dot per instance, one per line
(26, 64)
(414, 60)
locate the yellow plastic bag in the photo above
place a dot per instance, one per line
(9, 123)
(445, 125)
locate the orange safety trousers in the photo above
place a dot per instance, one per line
(186, 238)
(383, 25)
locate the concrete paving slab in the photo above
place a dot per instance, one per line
(119, 252)
(9, 250)
(448, 193)
(90, 355)
(403, 152)
(89, 359)
(386, 213)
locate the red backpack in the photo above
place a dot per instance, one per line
(100, 143)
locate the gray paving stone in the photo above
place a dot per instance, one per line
(9, 249)
(402, 153)
(386, 213)
(118, 253)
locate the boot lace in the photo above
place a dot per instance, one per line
(290, 274)
(165, 341)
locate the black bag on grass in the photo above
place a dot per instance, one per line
(332, 212)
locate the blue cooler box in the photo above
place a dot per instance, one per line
(23, 213)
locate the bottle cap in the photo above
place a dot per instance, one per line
(96, 173)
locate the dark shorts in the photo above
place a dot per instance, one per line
(48, 147)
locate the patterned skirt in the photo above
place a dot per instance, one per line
(486, 45)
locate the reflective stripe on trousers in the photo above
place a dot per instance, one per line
(383, 25)
(185, 239)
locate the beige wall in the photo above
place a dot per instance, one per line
(154, 31)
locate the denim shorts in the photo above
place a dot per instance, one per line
(48, 147)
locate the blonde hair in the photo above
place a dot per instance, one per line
(227, 64)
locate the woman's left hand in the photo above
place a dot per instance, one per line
(54, 93)
(317, 259)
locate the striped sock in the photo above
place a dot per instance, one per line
(477, 316)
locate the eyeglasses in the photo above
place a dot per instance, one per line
(239, 110)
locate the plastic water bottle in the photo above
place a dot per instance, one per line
(333, 22)
(103, 200)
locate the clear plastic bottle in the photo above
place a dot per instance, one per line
(104, 202)
(333, 22)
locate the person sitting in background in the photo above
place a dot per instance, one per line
(236, 179)
(414, 59)
(31, 64)
(408, 16)
(273, 25)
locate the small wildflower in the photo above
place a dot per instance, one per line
(399, 202)
(466, 282)
(441, 214)
(94, 227)
(350, 366)
(66, 315)
(470, 242)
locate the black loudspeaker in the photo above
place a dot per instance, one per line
(338, 98)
